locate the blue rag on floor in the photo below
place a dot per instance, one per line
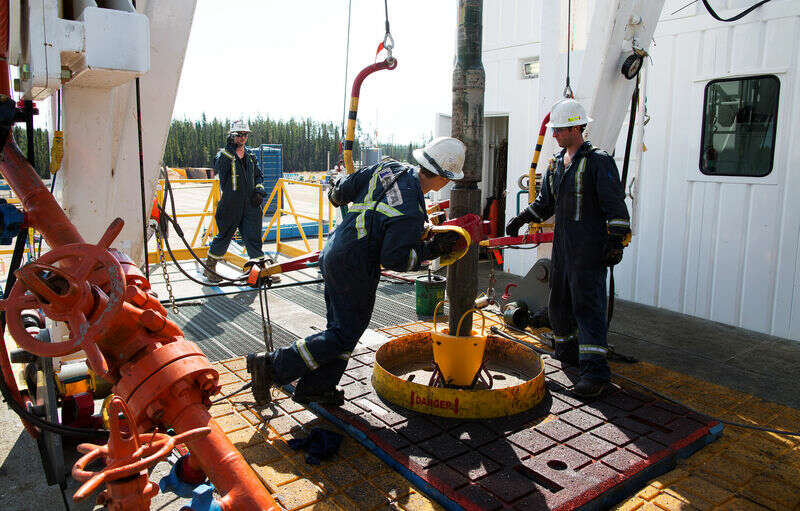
(320, 444)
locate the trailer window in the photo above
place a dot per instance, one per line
(739, 119)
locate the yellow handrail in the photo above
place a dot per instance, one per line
(280, 195)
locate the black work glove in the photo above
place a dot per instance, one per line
(334, 194)
(257, 198)
(441, 244)
(516, 223)
(613, 252)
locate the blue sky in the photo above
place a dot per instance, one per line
(287, 59)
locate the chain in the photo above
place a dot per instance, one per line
(388, 40)
(490, 293)
(163, 261)
(266, 323)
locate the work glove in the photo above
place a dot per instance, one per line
(613, 252)
(516, 223)
(334, 194)
(257, 198)
(442, 243)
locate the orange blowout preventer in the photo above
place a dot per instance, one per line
(106, 302)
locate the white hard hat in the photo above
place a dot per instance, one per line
(443, 156)
(568, 112)
(239, 126)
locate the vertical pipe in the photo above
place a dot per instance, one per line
(467, 126)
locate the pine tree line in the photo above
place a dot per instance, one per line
(41, 149)
(306, 144)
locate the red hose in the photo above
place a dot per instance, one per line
(351, 117)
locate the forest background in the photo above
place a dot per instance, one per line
(307, 145)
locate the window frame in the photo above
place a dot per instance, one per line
(774, 133)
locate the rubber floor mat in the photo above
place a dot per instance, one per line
(564, 454)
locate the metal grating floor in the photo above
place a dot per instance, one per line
(226, 327)
(395, 303)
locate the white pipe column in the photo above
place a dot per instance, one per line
(88, 164)
(101, 179)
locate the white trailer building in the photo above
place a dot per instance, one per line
(713, 180)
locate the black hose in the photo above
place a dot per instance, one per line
(141, 178)
(623, 180)
(739, 16)
(174, 220)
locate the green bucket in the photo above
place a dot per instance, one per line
(430, 291)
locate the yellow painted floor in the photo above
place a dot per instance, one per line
(742, 470)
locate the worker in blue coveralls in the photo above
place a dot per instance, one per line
(239, 207)
(383, 226)
(582, 188)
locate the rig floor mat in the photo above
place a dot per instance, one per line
(564, 454)
(226, 327)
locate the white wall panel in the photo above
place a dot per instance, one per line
(761, 258)
(747, 44)
(660, 98)
(727, 259)
(718, 247)
(786, 315)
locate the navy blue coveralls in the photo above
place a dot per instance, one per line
(589, 204)
(372, 234)
(238, 179)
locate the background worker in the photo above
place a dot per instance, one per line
(383, 226)
(582, 188)
(239, 207)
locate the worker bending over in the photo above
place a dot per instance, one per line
(383, 226)
(582, 188)
(239, 207)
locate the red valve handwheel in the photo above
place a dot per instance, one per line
(64, 293)
(125, 451)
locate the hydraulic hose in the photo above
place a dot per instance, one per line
(535, 162)
(349, 139)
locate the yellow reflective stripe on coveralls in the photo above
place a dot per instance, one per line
(305, 354)
(591, 349)
(233, 168)
(368, 204)
(619, 222)
(579, 187)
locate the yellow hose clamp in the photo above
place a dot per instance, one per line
(461, 248)
(459, 358)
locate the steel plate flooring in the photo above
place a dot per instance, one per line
(226, 327)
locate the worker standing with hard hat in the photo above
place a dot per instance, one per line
(239, 207)
(383, 226)
(582, 188)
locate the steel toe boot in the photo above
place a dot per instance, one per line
(260, 368)
(587, 388)
(209, 271)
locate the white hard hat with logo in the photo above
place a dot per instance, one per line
(239, 126)
(568, 112)
(443, 156)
